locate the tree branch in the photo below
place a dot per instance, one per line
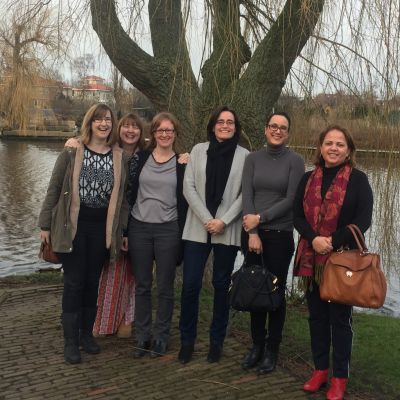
(230, 51)
(121, 48)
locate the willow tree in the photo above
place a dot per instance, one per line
(250, 81)
(28, 34)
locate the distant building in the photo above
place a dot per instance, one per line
(92, 89)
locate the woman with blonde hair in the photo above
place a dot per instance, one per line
(83, 216)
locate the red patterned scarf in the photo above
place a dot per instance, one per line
(322, 215)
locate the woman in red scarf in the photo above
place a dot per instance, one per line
(329, 198)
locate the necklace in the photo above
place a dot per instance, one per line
(162, 158)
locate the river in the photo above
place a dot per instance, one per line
(26, 169)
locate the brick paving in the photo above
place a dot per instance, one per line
(32, 365)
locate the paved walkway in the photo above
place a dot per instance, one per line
(32, 366)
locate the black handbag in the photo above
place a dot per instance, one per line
(254, 288)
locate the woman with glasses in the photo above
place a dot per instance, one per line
(270, 179)
(116, 298)
(155, 229)
(83, 216)
(212, 187)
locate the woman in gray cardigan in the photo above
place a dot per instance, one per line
(212, 187)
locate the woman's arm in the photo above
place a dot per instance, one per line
(54, 190)
(190, 188)
(362, 216)
(299, 218)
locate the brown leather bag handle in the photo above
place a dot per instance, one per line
(358, 237)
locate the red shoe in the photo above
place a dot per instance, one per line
(318, 379)
(337, 389)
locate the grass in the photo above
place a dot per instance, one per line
(375, 361)
(43, 278)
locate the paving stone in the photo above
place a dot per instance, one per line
(32, 365)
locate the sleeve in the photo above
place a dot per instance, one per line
(190, 188)
(125, 204)
(282, 207)
(299, 219)
(54, 190)
(247, 186)
(363, 212)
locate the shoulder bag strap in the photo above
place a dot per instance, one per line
(358, 237)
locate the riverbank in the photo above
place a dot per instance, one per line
(37, 134)
(32, 365)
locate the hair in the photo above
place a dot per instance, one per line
(132, 118)
(98, 111)
(282, 114)
(156, 122)
(318, 159)
(214, 117)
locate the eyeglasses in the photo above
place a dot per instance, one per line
(107, 120)
(165, 131)
(275, 127)
(221, 122)
(127, 126)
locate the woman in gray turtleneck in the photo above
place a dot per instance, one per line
(269, 183)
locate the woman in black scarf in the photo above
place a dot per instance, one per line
(212, 187)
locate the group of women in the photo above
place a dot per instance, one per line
(108, 193)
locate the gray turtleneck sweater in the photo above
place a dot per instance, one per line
(269, 183)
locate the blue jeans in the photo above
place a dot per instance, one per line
(195, 258)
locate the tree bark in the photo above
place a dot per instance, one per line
(167, 79)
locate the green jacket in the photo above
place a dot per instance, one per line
(60, 208)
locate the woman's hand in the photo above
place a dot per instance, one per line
(124, 245)
(250, 221)
(215, 226)
(45, 236)
(72, 142)
(255, 243)
(183, 158)
(322, 244)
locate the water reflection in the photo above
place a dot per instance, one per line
(26, 169)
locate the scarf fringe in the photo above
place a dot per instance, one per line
(306, 282)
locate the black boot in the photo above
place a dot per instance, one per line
(70, 322)
(86, 338)
(252, 358)
(185, 353)
(268, 364)
(214, 353)
(142, 348)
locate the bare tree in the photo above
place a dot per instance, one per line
(251, 82)
(27, 36)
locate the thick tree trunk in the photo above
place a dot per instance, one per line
(167, 79)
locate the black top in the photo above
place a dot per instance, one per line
(356, 209)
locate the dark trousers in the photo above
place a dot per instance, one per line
(82, 267)
(278, 248)
(194, 260)
(330, 323)
(148, 242)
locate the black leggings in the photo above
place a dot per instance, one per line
(82, 267)
(278, 248)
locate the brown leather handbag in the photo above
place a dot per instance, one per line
(354, 277)
(46, 253)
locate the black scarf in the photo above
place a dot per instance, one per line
(219, 163)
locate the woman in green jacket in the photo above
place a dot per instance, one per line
(83, 216)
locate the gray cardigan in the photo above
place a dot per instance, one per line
(230, 209)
